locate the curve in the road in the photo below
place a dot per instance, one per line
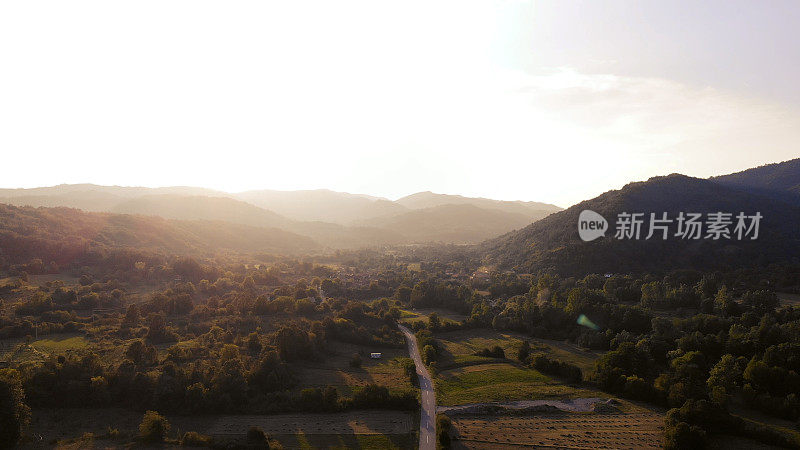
(427, 417)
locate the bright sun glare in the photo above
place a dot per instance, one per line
(371, 97)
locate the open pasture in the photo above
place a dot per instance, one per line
(495, 382)
(409, 316)
(459, 348)
(335, 370)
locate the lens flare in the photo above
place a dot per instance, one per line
(583, 320)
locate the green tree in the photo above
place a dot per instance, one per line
(683, 436)
(428, 354)
(330, 398)
(443, 426)
(724, 303)
(725, 374)
(402, 293)
(434, 322)
(524, 351)
(154, 427)
(131, 316)
(14, 413)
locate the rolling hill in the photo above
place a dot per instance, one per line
(533, 210)
(172, 206)
(553, 242)
(61, 233)
(322, 205)
(460, 223)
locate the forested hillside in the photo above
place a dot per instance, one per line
(779, 180)
(553, 242)
(61, 235)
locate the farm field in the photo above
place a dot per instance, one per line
(495, 382)
(459, 348)
(640, 429)
(335, 370)
(464, 377)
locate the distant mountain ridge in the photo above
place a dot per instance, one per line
(322, 205)
(333, 219)
(196, 207)
(429, 199)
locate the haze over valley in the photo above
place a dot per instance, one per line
(446, 225)
(331, 219)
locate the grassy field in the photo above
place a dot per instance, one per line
(466, 378)
(60, 343)
(335, 369)
(421, 315)
(782, 426)
(15, 350)
(459, 348)
(494, 382)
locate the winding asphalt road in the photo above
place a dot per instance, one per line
(427, 416)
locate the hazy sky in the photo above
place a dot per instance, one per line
(549, 101)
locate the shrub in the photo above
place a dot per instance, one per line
(429, 354)
(330, 398)
(410, 370)
(256, 436)
(443, 426)
(494, 352)
(558, 368)
(355, 361)
(681, 436)
(195, 439)
(154, 427)
(311, 399)
(373, 396)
